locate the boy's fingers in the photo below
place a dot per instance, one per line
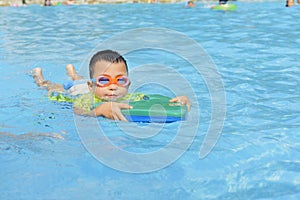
(186, 102)
(122, 118)
(124, 106)
(188, 106)
(119, 116)
(173, 100)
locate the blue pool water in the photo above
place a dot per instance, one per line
(256, 52)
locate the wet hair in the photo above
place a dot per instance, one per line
(106, 55)
(223, 1)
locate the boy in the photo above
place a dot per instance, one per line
(108, 85)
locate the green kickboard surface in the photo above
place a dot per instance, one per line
(225, 7)
(156, 105)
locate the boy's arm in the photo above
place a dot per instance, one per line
(111, 110)
(80, 111)
(182, 100)
(82, 105)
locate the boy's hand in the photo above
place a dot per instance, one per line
(182, 100)
(112, 110)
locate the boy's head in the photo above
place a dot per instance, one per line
(108, 72)
(108, 56)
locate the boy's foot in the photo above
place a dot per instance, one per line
(72, 72)
(38, 77)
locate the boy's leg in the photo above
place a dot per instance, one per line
(38, 77)
(72, 72)
(41, 82)
(77, 88)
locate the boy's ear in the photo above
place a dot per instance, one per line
(90, 85)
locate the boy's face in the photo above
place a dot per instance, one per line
(112, 91)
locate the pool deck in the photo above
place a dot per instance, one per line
(78, 2)
(55, 2)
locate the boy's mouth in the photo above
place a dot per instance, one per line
(111, 96)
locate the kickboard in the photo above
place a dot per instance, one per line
(225, 7)
(155, 108)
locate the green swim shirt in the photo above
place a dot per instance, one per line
(89, 101)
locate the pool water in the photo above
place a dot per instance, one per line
(256, 52)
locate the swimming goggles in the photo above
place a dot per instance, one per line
(105, 80)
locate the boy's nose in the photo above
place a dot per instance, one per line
(112, 87)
